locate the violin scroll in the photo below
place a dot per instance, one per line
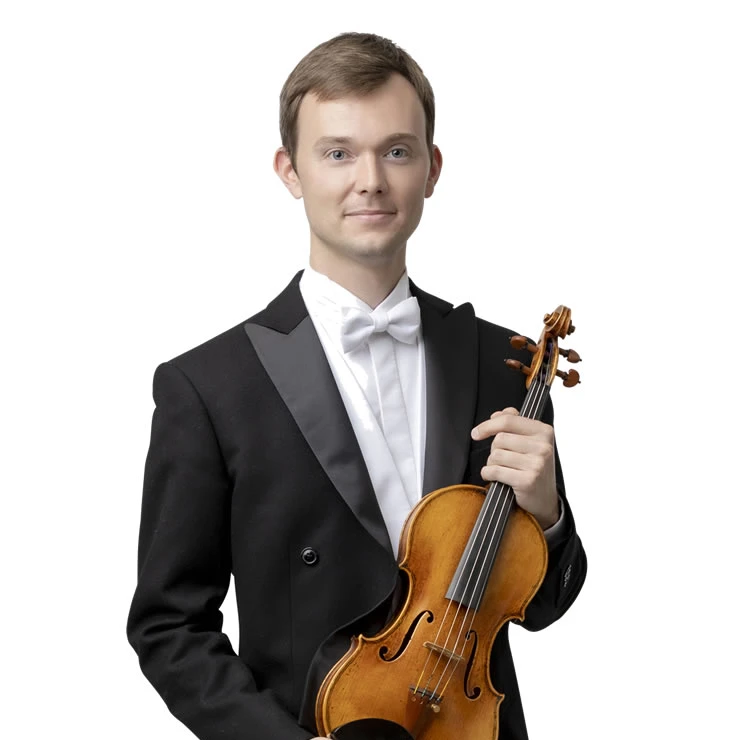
(545, 353)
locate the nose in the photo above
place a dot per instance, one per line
(370, 175)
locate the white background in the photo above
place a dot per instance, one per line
(591, 158)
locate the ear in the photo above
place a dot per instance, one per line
(286, 172)
(434, 171)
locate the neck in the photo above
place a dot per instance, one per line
(371, 283)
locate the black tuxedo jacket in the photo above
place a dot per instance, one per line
(254, 469)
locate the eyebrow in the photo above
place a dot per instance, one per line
(326, 140)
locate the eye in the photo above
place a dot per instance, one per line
(399, 149)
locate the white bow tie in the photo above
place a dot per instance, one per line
(401, 322)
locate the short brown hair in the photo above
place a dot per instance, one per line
(349, 64)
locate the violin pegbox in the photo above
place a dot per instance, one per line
(545, 353)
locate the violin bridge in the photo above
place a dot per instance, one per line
(443, 651)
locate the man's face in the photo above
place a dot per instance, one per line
(349, 159)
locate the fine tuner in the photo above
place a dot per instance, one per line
(545, 352)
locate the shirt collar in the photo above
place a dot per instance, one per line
(325, 299)
(324, 292)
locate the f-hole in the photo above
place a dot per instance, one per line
(383, 652)
(473, 693)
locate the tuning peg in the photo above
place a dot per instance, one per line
(570, 378)
(570, 354)
(519, 342)
(516, 365)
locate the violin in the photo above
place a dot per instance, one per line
(473, 560)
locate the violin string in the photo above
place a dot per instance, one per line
(496, 495)
(540, 397)
(464, 630)
(476, 529)
(467, 630)
(537, 396)
(450, 602)
(493, 498)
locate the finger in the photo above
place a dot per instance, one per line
(537, 445)
(510, 459)
(481, 432)
(511, 423)
(519, 480)
(510, 410)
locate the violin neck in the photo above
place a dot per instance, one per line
(474, 569)
(535, 400)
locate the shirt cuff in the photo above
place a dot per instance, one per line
(551, 533)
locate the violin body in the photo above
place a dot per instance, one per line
(429, 670)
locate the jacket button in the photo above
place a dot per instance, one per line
(309, 556)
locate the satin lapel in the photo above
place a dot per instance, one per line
(451, 358)
(295, 361)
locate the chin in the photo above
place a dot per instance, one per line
(368, 247)
(378, 251)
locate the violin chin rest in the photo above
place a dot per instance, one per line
(371, 729)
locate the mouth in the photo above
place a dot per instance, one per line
(372, 216)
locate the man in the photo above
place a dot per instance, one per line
(290, 449)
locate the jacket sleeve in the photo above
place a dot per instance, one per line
(566, 565)
(184, 570)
